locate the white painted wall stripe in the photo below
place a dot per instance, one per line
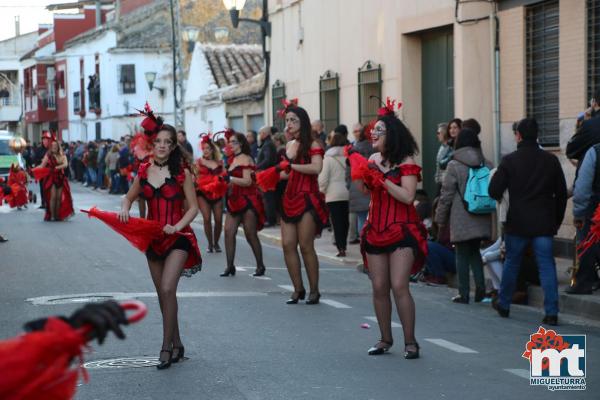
(394, 324)
(522, 373)
(334, 303)
(451, 346)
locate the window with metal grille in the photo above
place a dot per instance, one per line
(329, 93)
(369, 91)
(277, 95)
(593, 47)
(127, 79)
(76, 102)
(542, 69)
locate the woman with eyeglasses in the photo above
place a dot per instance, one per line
(304, 212)
(394, 240)
(244, 204)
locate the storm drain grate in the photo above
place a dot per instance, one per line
(124, 362)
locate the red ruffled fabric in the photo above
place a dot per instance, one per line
(40, 173)
(18, 185)
(208, 182)
(302, 195)
(57, 177)
(37, 365)
(391, 222)
(593, 235)
(240, 199)
(268, 179)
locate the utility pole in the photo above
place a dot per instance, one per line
(178, 83)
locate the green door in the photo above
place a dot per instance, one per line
(437, 88)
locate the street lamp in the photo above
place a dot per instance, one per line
(190, 36)
(234, 7)
(221, 33)
(151, 78)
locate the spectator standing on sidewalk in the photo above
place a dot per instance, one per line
(454, 127)
(112, 159)
(359, 201)
(92, 164)
(588, 133)
(183, 142)
(537, 201)
(251, 137)
(101, 171)
(78, 158)
(332, 182)
(586, 197)
(267, 158)
(442, 137)
(319, 131)
(467, 230)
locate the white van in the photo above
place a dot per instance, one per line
(7, 157)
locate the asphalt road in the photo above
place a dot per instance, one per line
(244, 342)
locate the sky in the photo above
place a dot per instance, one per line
(31, 12)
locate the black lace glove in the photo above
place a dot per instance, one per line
(103, 317)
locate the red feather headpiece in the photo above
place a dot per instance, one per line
(388, 107)
(151, 124)
(205, 138)
(226, 133)
(286, 106)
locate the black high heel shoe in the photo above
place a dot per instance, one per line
(210, 249)
(294, 299)
(180, 354)
(260, 271)
(313, 298)
(380, 348)
(218, 248)
(165, 364)
(229, 271)
(411, 355)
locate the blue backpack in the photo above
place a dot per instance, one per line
(476, 197)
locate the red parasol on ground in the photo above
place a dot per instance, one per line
(40, 173)
(138, 231)
(37, 365)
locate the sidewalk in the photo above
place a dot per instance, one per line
(585, 306)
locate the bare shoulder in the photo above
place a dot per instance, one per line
(375, 157)
(315, 145)
(408, 161)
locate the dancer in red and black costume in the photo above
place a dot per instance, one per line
(165, 184)
(304, 212)
(210, 203)
(244, 204)
(393, 239)
(17, 180)
(57, 192)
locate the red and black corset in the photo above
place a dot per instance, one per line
(392, 224)
(302, 195)
(165, 205)
(57, 176)
(242, 198)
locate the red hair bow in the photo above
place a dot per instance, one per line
(151, 124)
(205, 138)
(388, 109)
(286, 106)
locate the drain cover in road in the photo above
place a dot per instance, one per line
(125, 362)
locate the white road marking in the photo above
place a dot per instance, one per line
(394, 324)
(289, 288)
(262, 278)
(452, 346)
(334, 303)
(522, 373)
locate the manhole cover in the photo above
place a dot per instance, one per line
(125, 362)
(79, 299)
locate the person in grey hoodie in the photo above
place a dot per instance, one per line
(466, 230)
(359, 201)
(332, 182)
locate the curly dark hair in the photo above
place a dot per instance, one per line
(241, 138)
(305, 138)
(399, 142)
(176, 157)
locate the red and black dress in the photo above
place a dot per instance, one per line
(58, 179)
(302, 195)
(392, 224)
(203, 170)
(165, 205)
(243, 198)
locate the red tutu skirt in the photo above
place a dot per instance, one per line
(162, 246)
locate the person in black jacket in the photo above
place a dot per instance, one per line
(266, 158)
(588, 133)
(537, 200)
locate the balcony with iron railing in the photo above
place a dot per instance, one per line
(10, 106)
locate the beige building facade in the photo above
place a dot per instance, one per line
(496, 62)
